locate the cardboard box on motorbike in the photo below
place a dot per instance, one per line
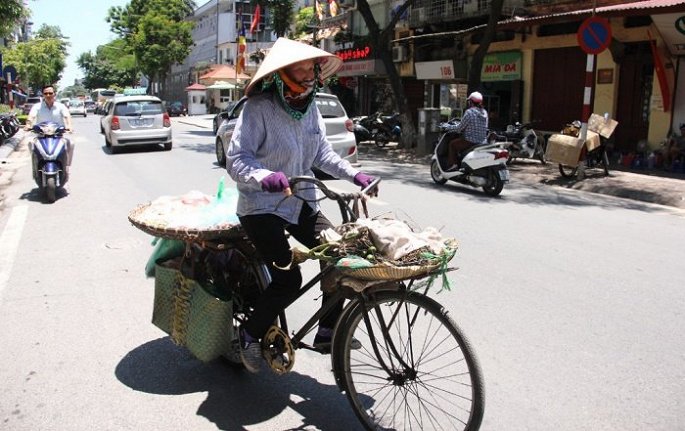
(566, 149)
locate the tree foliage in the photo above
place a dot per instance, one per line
(281, 15)
(11, 13)
(156, 33)
(112, 65)
(40, 60)
(303, 20)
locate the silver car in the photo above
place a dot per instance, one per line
(338, 129)
(77, 107)
(135, 120)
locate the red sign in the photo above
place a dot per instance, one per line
(594, 35)
(354, 54)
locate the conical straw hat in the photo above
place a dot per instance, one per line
(286, 52)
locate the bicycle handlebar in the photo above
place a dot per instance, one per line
(343, 199)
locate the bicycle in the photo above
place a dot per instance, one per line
(596, 158)
(415, 369)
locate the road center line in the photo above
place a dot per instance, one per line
(9, 242)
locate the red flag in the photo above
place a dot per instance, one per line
(255, 19)
(660, 74)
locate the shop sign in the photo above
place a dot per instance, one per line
(442, 69)
(501, 66)
(356, 68)
(354, 53)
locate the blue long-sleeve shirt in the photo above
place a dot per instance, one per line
(474, 125)
(267, 139)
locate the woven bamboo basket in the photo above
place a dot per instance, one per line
(391, 272)
(158, 228)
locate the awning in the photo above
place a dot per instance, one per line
(222, 85)
(196, 86)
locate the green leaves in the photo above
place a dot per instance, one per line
(40, 60)
(11, 12)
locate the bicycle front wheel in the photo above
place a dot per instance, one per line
(415, 369)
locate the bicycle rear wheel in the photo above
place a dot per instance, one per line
(420, 373)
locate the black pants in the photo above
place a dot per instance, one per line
(267, 232)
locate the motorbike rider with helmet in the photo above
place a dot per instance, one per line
(473, 129)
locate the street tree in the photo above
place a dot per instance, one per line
(157, 33)
(112, 65)
(11, 13)
(488, 36)
(303, 21)
(281, 16)
(380, 41)
(40, 60)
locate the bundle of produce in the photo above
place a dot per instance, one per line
(382, 249)
(189, 214)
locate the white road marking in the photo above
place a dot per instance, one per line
(9, 242)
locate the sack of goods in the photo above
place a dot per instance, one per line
(193, 215)
(382, 249)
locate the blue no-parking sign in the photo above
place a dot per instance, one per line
(594, 35)
(9, 73)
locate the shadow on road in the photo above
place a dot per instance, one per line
(235, 398)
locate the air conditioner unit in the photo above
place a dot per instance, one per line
(399, 53)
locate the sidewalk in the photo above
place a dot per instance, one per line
(655, 186)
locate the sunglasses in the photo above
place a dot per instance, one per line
(48, 94)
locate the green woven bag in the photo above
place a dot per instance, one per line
(191, 316)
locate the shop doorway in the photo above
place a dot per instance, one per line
(634, 95)
(558, 84)
(503, 102)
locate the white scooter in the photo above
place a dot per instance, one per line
(484, 165)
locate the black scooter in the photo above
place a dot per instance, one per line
(378, 128)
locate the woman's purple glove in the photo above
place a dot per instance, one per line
(363, 180)
(276, 182)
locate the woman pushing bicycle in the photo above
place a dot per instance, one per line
(280, 134)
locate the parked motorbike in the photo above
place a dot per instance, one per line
(483, 165)
(9, 126)
(522, 142)
(378, 128)
(51, 153)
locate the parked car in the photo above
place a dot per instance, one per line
(30, 101)
(176, 109)
(338, 129)
(221, 116)
(135, 120)
(77, 107)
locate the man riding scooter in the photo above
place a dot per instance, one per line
(50, 110)
(473, 128)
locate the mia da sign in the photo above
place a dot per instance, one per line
(501, 66)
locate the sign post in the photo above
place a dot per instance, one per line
(10, 74)
(594, 36)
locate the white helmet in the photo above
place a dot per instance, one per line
(476, 97)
